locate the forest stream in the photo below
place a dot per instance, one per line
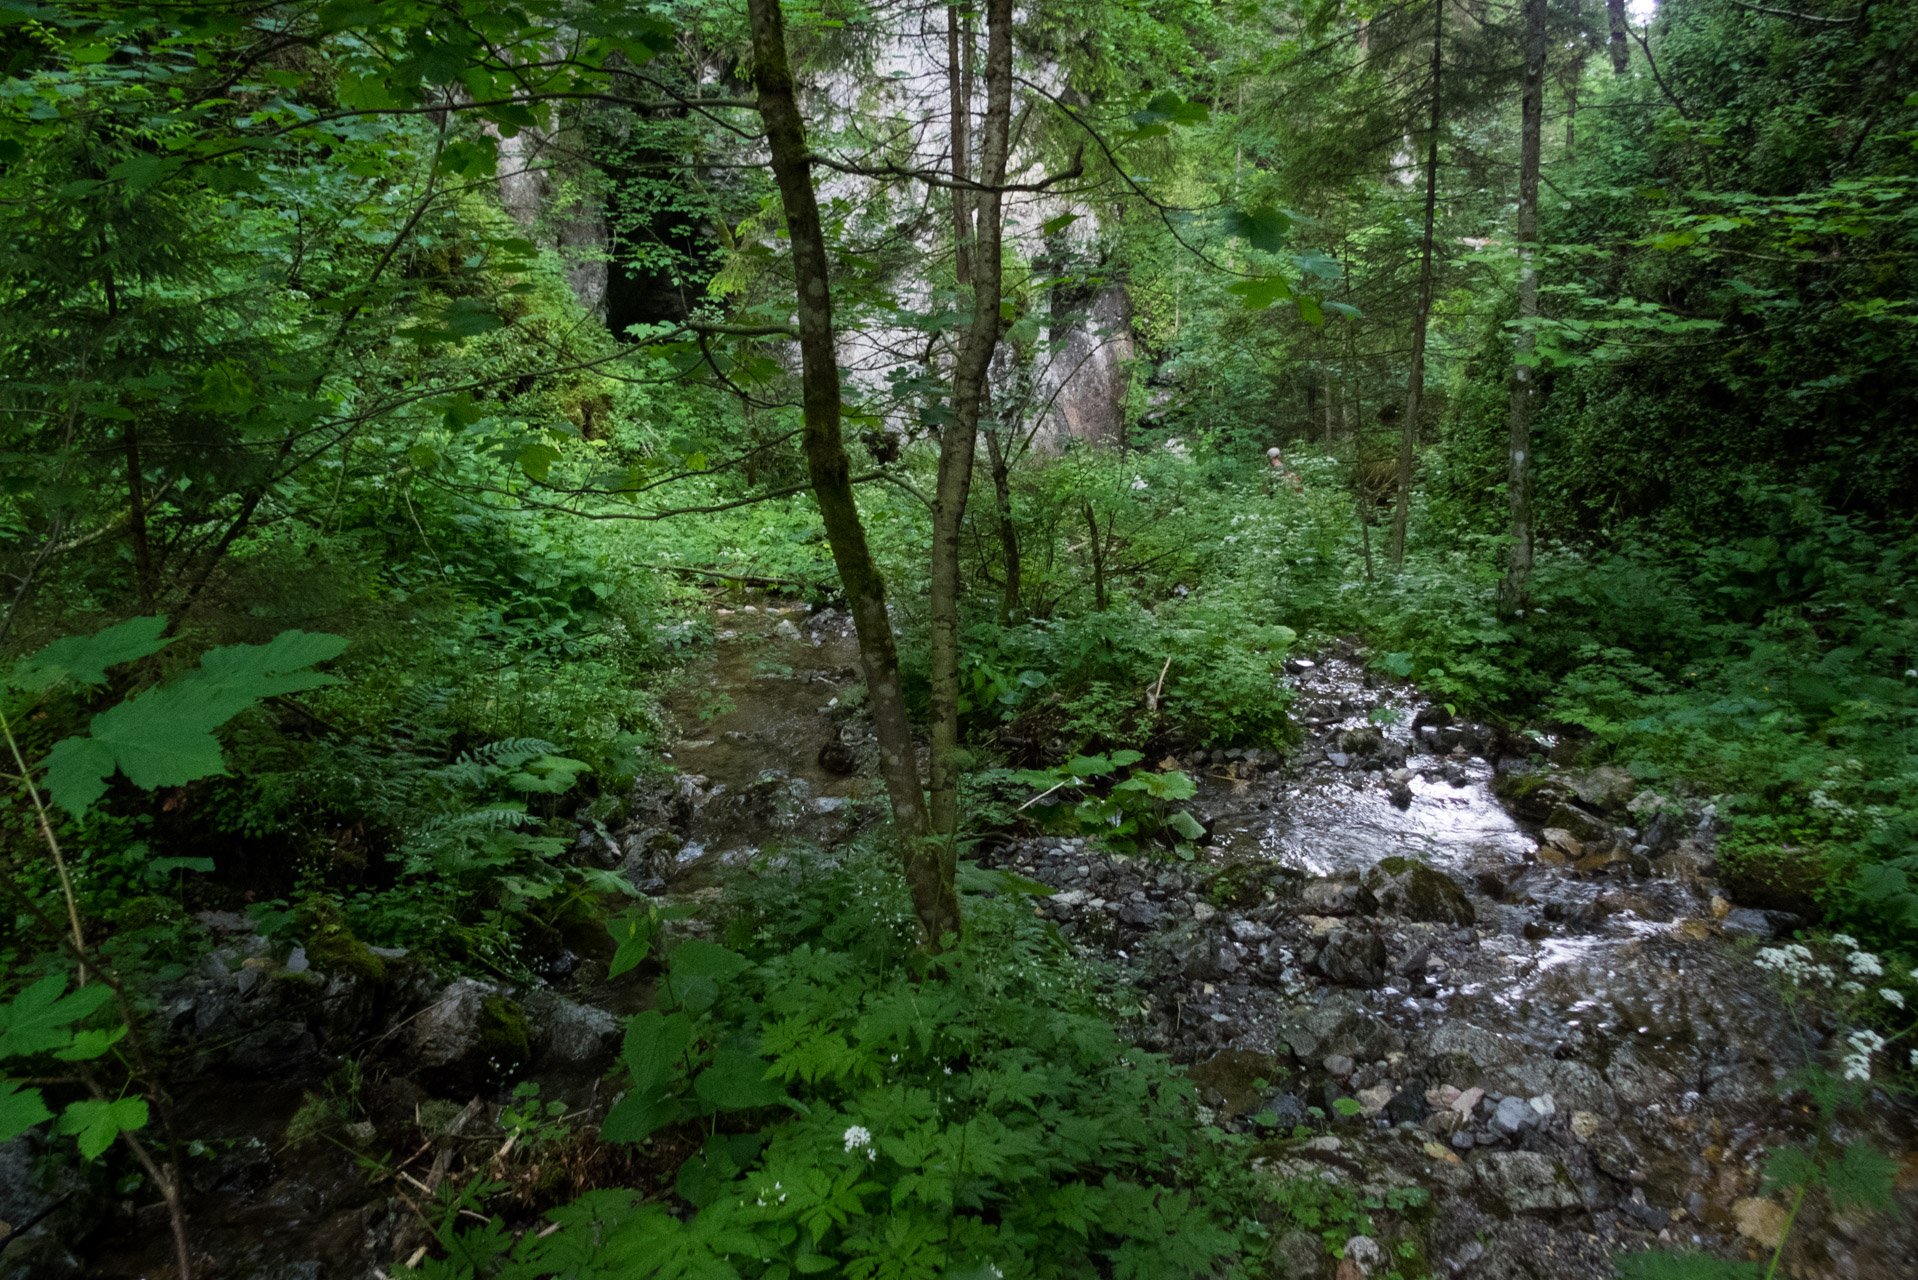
(1558, 1045)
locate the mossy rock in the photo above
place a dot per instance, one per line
(1406, 887)
(505, 1037)
(1776, 878)
(1244, 884)
(1532, 795)
(331, 946)
(1362, 742)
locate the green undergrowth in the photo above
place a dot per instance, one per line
(837, 1101)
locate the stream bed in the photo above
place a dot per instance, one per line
(1526, 979)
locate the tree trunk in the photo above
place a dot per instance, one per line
(1518, 569)
(959, 88)
(1415, 396)
(1008, 532)
(1621, 52)
(957, 442)
(933, 897)
(1097, 546)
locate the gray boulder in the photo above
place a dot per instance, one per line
(1352, 958)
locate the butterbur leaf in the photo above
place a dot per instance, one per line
(1865, 1178)
(85, 659)
(1186, 825)
(38, 1018)
(737, 1082)
(20, 1109)
(96, 1124)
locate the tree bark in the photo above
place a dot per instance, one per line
(1097, 546)
(1621, 52)
(959, 88)
(933, 897)
(958, 441)
(1008, 531)
(1518, 570)
(1415, 395)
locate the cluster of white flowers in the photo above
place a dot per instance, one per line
(1795, 963)
(1863, 1043)
(857, 1137)
(1138, 482)
(780, 1187)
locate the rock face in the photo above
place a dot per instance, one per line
(1409, 888)
(566, 1031)
(1527, 1182)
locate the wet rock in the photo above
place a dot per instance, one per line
(1527, 1181)
(1409, 888)
(46, 1204)
(1335, 898)
(1352, 958)
(1337, 1023)
(1338, 1066)
(1607, 788)
(1585, 826)
(1211, 957)
(1142, 915)
(1752, 923)
(565, 1031)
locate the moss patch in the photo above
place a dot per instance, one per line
(505, 1037)
(330, 944)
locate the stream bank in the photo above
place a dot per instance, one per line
(1542, 1008)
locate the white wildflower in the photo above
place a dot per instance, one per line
(1138, 482)
(1890, 996)
(858, 1136)
(1844, 940)
(1851, 988)
(1864, 1042)
(1864, 962)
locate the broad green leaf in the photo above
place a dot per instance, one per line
(737, 1082)
(85, 659)
(90, 1044)
(632, 940)
(654, 1049)
(1263, 292)
(163, 737)
(38, 1018)
(1263, 229)
(97, 1123)
(634, 1117)
(698, 958)
(20, 1109)
(1186, 825)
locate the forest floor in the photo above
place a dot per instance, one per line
(1408, 961)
